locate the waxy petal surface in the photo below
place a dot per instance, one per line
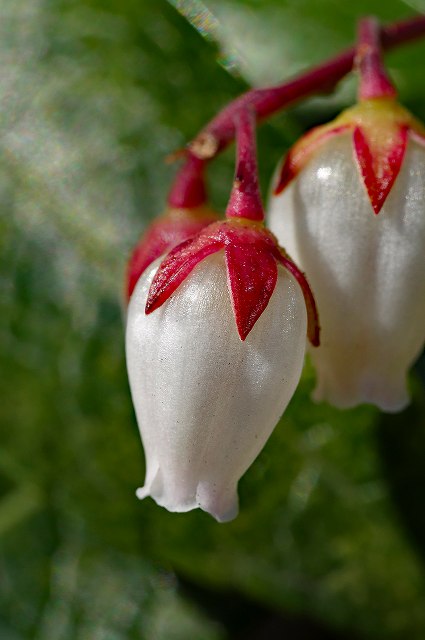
(301, 152)
(206, 401)
(313, 325)
(366, 271)
(176, 267)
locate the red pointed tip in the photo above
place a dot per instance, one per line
(153, 303)
(178, 264)
(243, 331)
(252, 275)
(149, 308)
(245, 321)
(379, 167)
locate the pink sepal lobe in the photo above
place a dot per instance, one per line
(176, 267)
(380, 167)
(252, 275)
(251, 254)
(161, 236)
(313, 325)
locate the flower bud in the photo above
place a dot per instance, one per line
(348, 205)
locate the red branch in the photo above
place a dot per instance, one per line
(220, 131)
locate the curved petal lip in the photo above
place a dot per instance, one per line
(221, 516)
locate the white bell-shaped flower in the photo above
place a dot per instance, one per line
(215, 346)
(349, 206)
(367, 271)
(206, 401)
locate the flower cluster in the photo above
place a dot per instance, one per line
(218, 312)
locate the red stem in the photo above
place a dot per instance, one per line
(220, 131)
(374, 80)
(245, 199)
(321, 78)
(188, 189)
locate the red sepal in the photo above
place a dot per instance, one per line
(252, 275)
(251, 253)
(380, 168)
(161, 236)
(176, 267)
(313, 325)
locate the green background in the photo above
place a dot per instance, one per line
(330, 541)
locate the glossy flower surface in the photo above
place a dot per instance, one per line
(366, 270)
(206, 401)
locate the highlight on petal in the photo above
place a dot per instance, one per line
(302, 151)
(380, 129)
(252, 274)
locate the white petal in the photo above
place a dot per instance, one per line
(366, 271)
(205, 401)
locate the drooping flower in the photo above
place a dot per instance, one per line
(215, 346)
(349, 204)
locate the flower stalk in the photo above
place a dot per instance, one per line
(374, 80)
(251, 251)
(220, 131)
(188, 190)
(245, 199)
